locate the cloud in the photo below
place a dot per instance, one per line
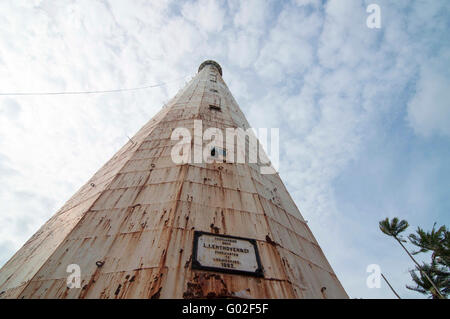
(253, 15)
(207, 15)
(288, 49)
(243, 49)
(429, 109)
(10, 108)
(307, 3)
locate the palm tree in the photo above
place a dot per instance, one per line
(394, 228)
(436, 241)
(439, 275)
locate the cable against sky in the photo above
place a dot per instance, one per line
(94, 91)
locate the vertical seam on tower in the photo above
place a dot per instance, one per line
(185, 168)
(264, 213)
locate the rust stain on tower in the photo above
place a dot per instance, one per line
(146, 227)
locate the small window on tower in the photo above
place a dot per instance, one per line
(218, 152)
(215, 108)
(214, 90)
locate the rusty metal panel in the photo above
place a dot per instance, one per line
(36, 251)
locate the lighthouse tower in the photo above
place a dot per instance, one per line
(157, 222)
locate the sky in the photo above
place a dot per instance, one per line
(364, 114)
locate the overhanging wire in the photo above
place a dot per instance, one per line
(92, 92)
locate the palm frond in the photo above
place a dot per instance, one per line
(394, 227)
(439, 276)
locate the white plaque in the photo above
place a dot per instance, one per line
(226, 254)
